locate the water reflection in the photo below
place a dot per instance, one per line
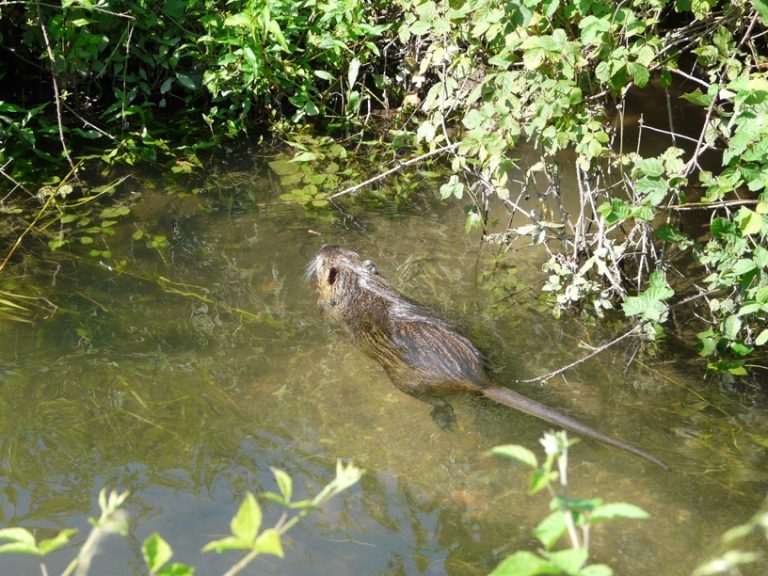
(151, 381)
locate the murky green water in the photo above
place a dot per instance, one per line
(139, 382)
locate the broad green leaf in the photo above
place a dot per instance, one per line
(551, 529)
(226, 544)
(740, 349)
(20, 548)
(274, 30)
(515, 452)
(732, 327)
(176, 569)
(239, 19)
(540, 479)
(454, 187)
(268, 542)
(17, 535)
(156, 552)
(743, 266)
(750, 222)
(596, 570)
(698, 97)
(352, 72)
(284, 483)
(114, 212)
(614, 510)
(762, 9)
(246, 523)
(185, 81)
(593, 28)
(52, 544)
(569, 561)
(304, 157)
(762, 338)
(426, 131)
(524, 564)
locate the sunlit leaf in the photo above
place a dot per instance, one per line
(617, 510)
(551, 529)
(525, 564)
(269, 542)
(156, 552)
(515, 452)
(225, 545)
(284, 483)
(246, 523)
(17, 535)
(52, 544)
(569, 561)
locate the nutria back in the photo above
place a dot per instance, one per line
(422, 353)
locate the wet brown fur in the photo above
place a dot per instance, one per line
(422, 354)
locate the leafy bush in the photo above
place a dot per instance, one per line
(247, 536)
(549, 73)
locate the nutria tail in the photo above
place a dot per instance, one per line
(520, 402)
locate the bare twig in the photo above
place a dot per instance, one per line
(56, 95)
(391, 171)
(592, 354)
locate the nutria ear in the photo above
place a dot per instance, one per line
(370, 266)
(333, 273)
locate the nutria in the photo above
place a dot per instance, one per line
(422, 354)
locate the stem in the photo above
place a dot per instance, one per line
(391, 171)
(57, 97)
(595, 352)
(244, 561)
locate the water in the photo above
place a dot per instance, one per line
(150, 381)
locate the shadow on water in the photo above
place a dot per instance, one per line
(150, 381)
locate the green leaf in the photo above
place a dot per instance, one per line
(551, 529)
(52, 544)
(352, 72)
(615, 510)
(304, 157)
(540, 479)
(156, 552)
(454, 187)
(114, 212)
(185, 81)
(743, 266)
(239, 19)
(762, 338)
(749, 222)
(639, 73)
(569, 561)
(516, 452)
(176, 569)
(268, 542)
(593, 29)
(732, 327)
(698, 97)
(596, 570)
(740, 349)
(17, 535)
(20, 548)
(284, 483)
(226, 545)
(524, 564)
(246, 523)
(762, 9)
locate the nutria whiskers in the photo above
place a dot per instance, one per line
(421, 353)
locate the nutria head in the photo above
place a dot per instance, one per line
(346, 283)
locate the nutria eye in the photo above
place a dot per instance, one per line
(333, 273)
(371, 267)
